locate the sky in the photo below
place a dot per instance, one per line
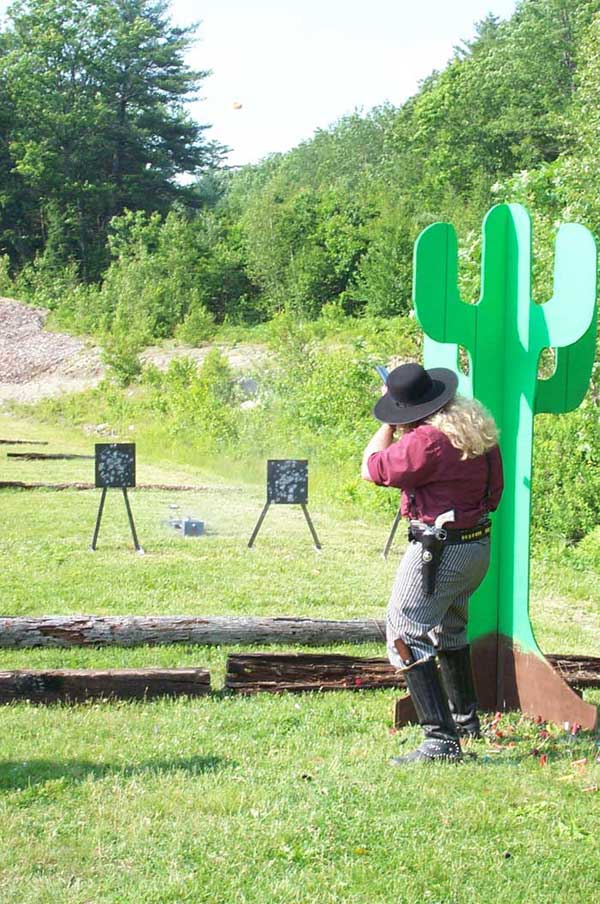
(281, 69)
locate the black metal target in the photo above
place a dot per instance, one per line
(115, 465)
(287, 484)
(287, 481)
(115, 469)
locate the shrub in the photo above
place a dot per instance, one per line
(45, 286)
(121, 355)
(6, 283)
(199, 402)
(197, 326)
(566, 497)
(123, 343)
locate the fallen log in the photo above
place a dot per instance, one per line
(23, 442)
(253, 672)
(78, 485)
(47, 456)
(78, 685)
(22, 485)
(136, 630)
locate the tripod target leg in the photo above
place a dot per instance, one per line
(393, 530)
(311, 526)
(258, 525)
(98, 519)
(131, 522)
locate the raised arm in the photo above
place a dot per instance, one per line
(381, 439)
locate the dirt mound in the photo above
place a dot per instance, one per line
(35, 363)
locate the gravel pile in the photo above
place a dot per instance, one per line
(35, 363)
(26, 351)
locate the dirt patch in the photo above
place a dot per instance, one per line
(242, 357)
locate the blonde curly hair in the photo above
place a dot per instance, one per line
(468, 425)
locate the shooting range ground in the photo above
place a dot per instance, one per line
(187, 597)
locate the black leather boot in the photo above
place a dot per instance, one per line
(431, 704)
(457, 676)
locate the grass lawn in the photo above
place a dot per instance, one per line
(264, 799)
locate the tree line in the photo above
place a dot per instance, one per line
(93, 123)
(96, 223)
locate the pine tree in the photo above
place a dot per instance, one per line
(97, 94)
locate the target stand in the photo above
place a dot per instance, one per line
(287, 484)
(392, 534)
(115, 469)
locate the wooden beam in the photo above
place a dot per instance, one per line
(578, 671)
(246, 674)
(46, 456)
(253, 672)
(23, 442)
(78, 485)
(78, 685)
(135, 630)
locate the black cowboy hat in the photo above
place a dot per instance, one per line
(414, 393)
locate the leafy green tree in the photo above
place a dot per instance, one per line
(97, 123)
(497, 108)
(382, 285)
(574, 183)
(168, 271)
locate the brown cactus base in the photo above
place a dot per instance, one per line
(508, 679)
(404, 712)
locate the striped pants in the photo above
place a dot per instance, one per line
(428, 623)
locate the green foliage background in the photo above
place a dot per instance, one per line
(309, 251)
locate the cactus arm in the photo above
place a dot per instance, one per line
(566, 388)
(564, 319)
(439, 309)
(570, 328)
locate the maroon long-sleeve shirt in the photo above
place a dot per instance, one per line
(424, 463)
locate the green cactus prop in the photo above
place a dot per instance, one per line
(504, 335)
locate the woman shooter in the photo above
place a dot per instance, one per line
(442, 451)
